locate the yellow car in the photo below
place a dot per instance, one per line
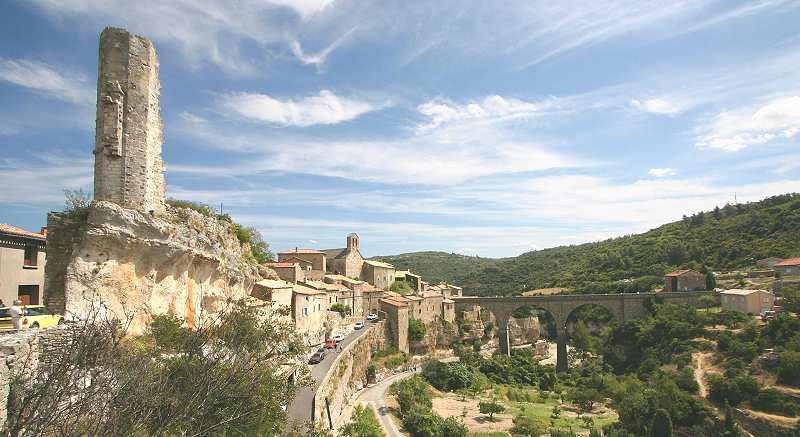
(36, 316)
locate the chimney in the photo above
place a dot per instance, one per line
(43, 230)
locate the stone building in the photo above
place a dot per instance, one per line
(288, 271)
(397, 318)
(747, 301)
(310, 312)
(275, 291)
(448, 310)
(768, 262)
(309, 259)
(128, 167)
(684, 280)
(788, 267)
(22, 259)
(346, 261)
(377, 273)
(371, 299)
(450, 290)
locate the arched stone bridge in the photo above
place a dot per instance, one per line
(624, 307)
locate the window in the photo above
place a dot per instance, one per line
(31, 256)
(28, 294)
(305, 311)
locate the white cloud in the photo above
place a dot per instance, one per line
(734, 131)
(47, 80)
(319, 58)
(657, 106)
(42, 181)
(203, 30)
(662, 172)
(443, 111)
(324, 108)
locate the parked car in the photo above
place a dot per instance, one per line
(338, 337)
(318, 356)
(767, 315)
(330, 343)
(358, 325)
(35, 316)
(372, 317)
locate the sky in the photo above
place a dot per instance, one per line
(474, 127)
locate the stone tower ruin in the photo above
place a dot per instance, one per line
(128, 169)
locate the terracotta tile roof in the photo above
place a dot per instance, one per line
(740, 292)
(677, 273)
(394, 303)
(301, 251)
(301, 289)
(789, 262)
(13, 230)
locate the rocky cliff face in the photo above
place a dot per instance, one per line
(524, 330)
(132, 265)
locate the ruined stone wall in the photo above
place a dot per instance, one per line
(128, 166)
(347, 375)
(133, 265)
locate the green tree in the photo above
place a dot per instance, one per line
(584, 398)
(525, 426)
(729, 427)
(342, 309)
(401, 287)
(490, 408)
(711, 280)
(416, 330)
(582, 337)
(452, 427)
(363, 423)
(708, 301)
(422, 422)
(789, 368)
(661, 426)
(371, 373)
(412, 392)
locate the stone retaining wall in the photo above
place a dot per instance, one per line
(347, 375)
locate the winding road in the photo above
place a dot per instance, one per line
(374, 396)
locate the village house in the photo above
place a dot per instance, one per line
(288, 271)
(448, 310)
(747, 301)
(684, 280)
(788, 267)
(311, 260)
(310, 313)
(352, 295)
(22, 259)
(768, 262)
(377, 273)
(450, 290)
(371, 299)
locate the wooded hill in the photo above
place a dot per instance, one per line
(732, 237)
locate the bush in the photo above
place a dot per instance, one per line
(733, 389)
(416, 330)
(789, 368)
(401, 287)
(363, 423)
(525, 426)
(772, 401)
(343, 310)
(412, 392)
(662, 424)
(448, 376)
(170, 382)
(76, 204)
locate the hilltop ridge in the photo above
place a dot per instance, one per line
(731, 237)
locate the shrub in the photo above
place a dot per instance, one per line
(789, 368)
(525, 426)
(416, 330)
(772, 401)
(661, 425)
(343, 310)
(412, 392)
(363, 423)
(76, 204)
(401, 287)
(733, 389)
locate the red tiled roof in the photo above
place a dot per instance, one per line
(789, 262)
(308, 251)
(677, 272)
(393, 302)
(13, 230)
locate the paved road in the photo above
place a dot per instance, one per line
(300, 410)
(373, 397)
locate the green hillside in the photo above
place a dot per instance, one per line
(725, 238)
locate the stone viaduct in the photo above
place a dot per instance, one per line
(622, 306)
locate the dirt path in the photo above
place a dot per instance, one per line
(700, 363)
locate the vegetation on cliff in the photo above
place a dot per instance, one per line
(731, 237)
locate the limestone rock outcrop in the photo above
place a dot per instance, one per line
(132, 265)
(523, 330)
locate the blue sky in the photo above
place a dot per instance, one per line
(488, 128)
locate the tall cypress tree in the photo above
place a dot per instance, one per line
(661, 425)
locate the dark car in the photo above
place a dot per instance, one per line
(318, 356)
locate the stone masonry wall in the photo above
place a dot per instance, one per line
(347, 375)
(128, 166)
(63, 235)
